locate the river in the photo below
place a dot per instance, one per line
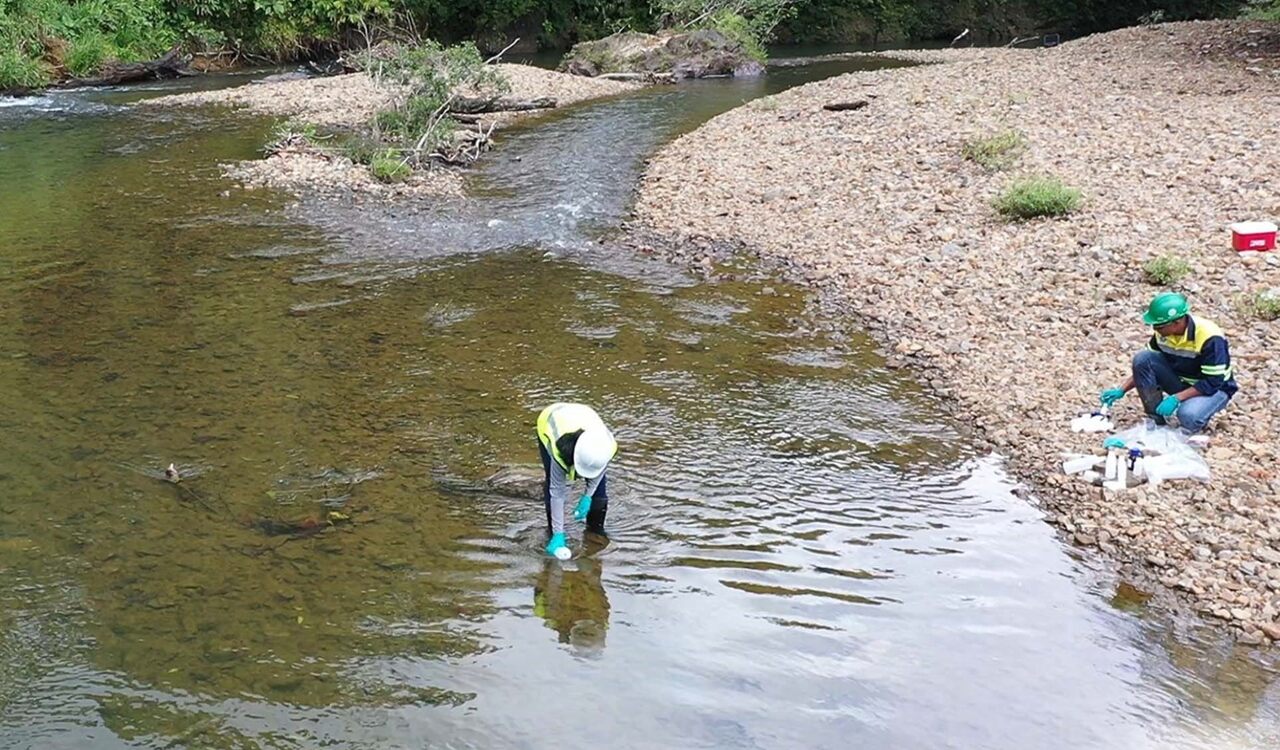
(806, 551)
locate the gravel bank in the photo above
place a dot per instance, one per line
(347, 102)
(1171, 133)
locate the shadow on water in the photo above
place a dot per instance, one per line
(804, 550)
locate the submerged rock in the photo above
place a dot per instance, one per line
(517, 480)
(693, 54)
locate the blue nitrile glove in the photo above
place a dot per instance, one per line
(584, 507)
(1113, 442)
(557, 541)
(1111, 395)
(1168, 406)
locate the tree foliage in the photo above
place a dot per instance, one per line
(988, 20)
(43, 39)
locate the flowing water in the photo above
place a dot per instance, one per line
(805, 552)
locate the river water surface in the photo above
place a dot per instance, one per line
(805, 551)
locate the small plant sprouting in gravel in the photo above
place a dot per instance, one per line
(1266, 304)
(767, 104)
(1165, 270)
(995, 152)
(1031, 197)
(292, 135)
(389, 166)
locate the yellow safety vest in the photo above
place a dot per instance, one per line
(562, 419)
(1185, 351)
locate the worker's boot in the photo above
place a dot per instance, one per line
(595, 518)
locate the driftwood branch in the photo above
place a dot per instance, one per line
(480, 105)
(171, 65)
(845, 106)
(443, 110)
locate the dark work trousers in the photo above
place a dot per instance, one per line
(599, 500)
(1153, 376)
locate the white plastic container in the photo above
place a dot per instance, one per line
(1079, 464)
(1121, 481)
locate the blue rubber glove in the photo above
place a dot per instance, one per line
(1168, 406)
(557, 541)
(584, 507)
(1113, 442)
(1111, 395)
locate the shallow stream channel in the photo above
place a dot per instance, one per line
(806, 551)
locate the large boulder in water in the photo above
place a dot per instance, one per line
(692, 54)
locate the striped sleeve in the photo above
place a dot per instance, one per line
(558, 496)
(1215, 366)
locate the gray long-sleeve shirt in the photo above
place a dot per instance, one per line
(560, 495)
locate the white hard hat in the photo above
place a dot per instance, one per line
(592, 452)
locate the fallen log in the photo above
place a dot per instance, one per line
(845, 106)
(171, 65)
(478, 105)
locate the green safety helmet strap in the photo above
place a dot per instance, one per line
(1166, 308)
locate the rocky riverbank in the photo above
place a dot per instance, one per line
(1170, 132)
(346, 102)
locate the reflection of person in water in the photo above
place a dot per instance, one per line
(573, 602)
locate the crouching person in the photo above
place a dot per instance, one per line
(1185, 369)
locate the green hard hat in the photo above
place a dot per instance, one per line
(1166, 308)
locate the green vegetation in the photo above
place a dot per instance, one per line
(996, 152)
(884, 20)
(18, 71)
(86, 54)
(1165, 270)
(44, 40)
(293, 135)
(417, 127)
(1264, 305)
(751, 23)
(360, 148)
(1263, 10)
(389, 166)
(1031, 197)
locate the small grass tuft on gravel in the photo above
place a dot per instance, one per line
(389, 167)
(1032, 197)
(995, 152)
(1164, 270)
(1265, 305)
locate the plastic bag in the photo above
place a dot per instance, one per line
(1174, 466)
(1166, 453)
(1095, 422)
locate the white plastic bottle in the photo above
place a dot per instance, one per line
(1121, 480)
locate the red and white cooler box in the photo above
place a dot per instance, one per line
(1253, 235)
